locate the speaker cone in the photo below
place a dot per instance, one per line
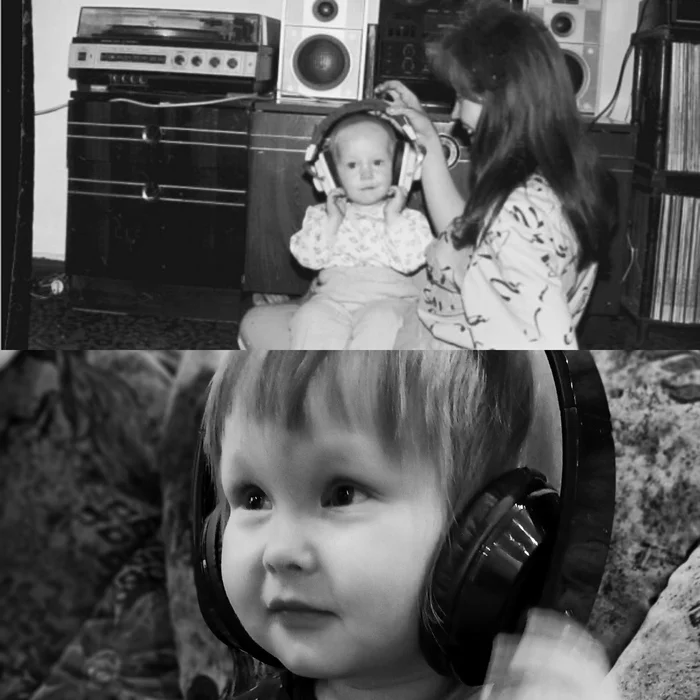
(325, 10)
(322, 62)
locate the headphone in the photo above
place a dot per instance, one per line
(408, 155)
(518, 543)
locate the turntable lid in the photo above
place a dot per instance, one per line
(121, 23)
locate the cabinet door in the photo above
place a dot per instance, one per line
(157, 194)
(140, 232)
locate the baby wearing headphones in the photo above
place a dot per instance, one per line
(364, 241)
(346, 511)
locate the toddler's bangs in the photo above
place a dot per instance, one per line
(397, 397)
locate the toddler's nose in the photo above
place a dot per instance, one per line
(287, 547)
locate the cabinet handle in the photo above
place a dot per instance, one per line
(150, 192)
(151, 133)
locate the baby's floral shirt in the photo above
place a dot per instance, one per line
(519, 287)
(363, 238)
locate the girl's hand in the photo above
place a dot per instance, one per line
(336, 204)
(404, 101)
(400, 95)
(395, 204)
(556, 659)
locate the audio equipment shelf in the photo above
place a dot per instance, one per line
(662, 282)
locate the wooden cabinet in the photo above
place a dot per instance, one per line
(157, 194)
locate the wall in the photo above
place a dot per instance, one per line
(55, 24)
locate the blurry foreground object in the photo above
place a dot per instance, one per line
(555, 659)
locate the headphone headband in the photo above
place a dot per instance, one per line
(370, 106)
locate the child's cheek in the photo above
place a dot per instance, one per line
(242, 570)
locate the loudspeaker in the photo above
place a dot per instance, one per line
(578, 28)
(322, 51)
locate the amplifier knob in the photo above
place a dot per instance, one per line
(232, 63)
(197, 61)
(179, 60)
(408, 65)
(214, 61)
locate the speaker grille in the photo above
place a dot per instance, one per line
(321, 62)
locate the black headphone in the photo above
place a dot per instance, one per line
(408, 155)
(519, 543)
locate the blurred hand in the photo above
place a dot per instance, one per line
(556, 659)
(395, 203)
(336, 204)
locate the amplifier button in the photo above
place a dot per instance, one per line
(197, 61)
(179, 60)
(214, 61)
(232, 63)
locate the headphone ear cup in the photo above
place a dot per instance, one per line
(211, 594)
(488, 572)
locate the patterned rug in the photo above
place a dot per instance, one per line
(655, 404)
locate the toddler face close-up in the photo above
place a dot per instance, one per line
(364, 155)
(327, 520)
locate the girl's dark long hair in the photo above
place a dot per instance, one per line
(510, 62)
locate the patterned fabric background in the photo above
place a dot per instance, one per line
(96, 454)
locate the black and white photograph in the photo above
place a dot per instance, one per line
(355, 174)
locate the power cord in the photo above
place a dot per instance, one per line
(52, 286)
(170, 105)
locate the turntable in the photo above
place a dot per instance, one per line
(174, 50)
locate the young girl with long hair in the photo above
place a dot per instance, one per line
(518, 253)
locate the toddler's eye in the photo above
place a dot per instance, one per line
(251, 498)
(345, 495)
(378, 162)
(352, 166)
